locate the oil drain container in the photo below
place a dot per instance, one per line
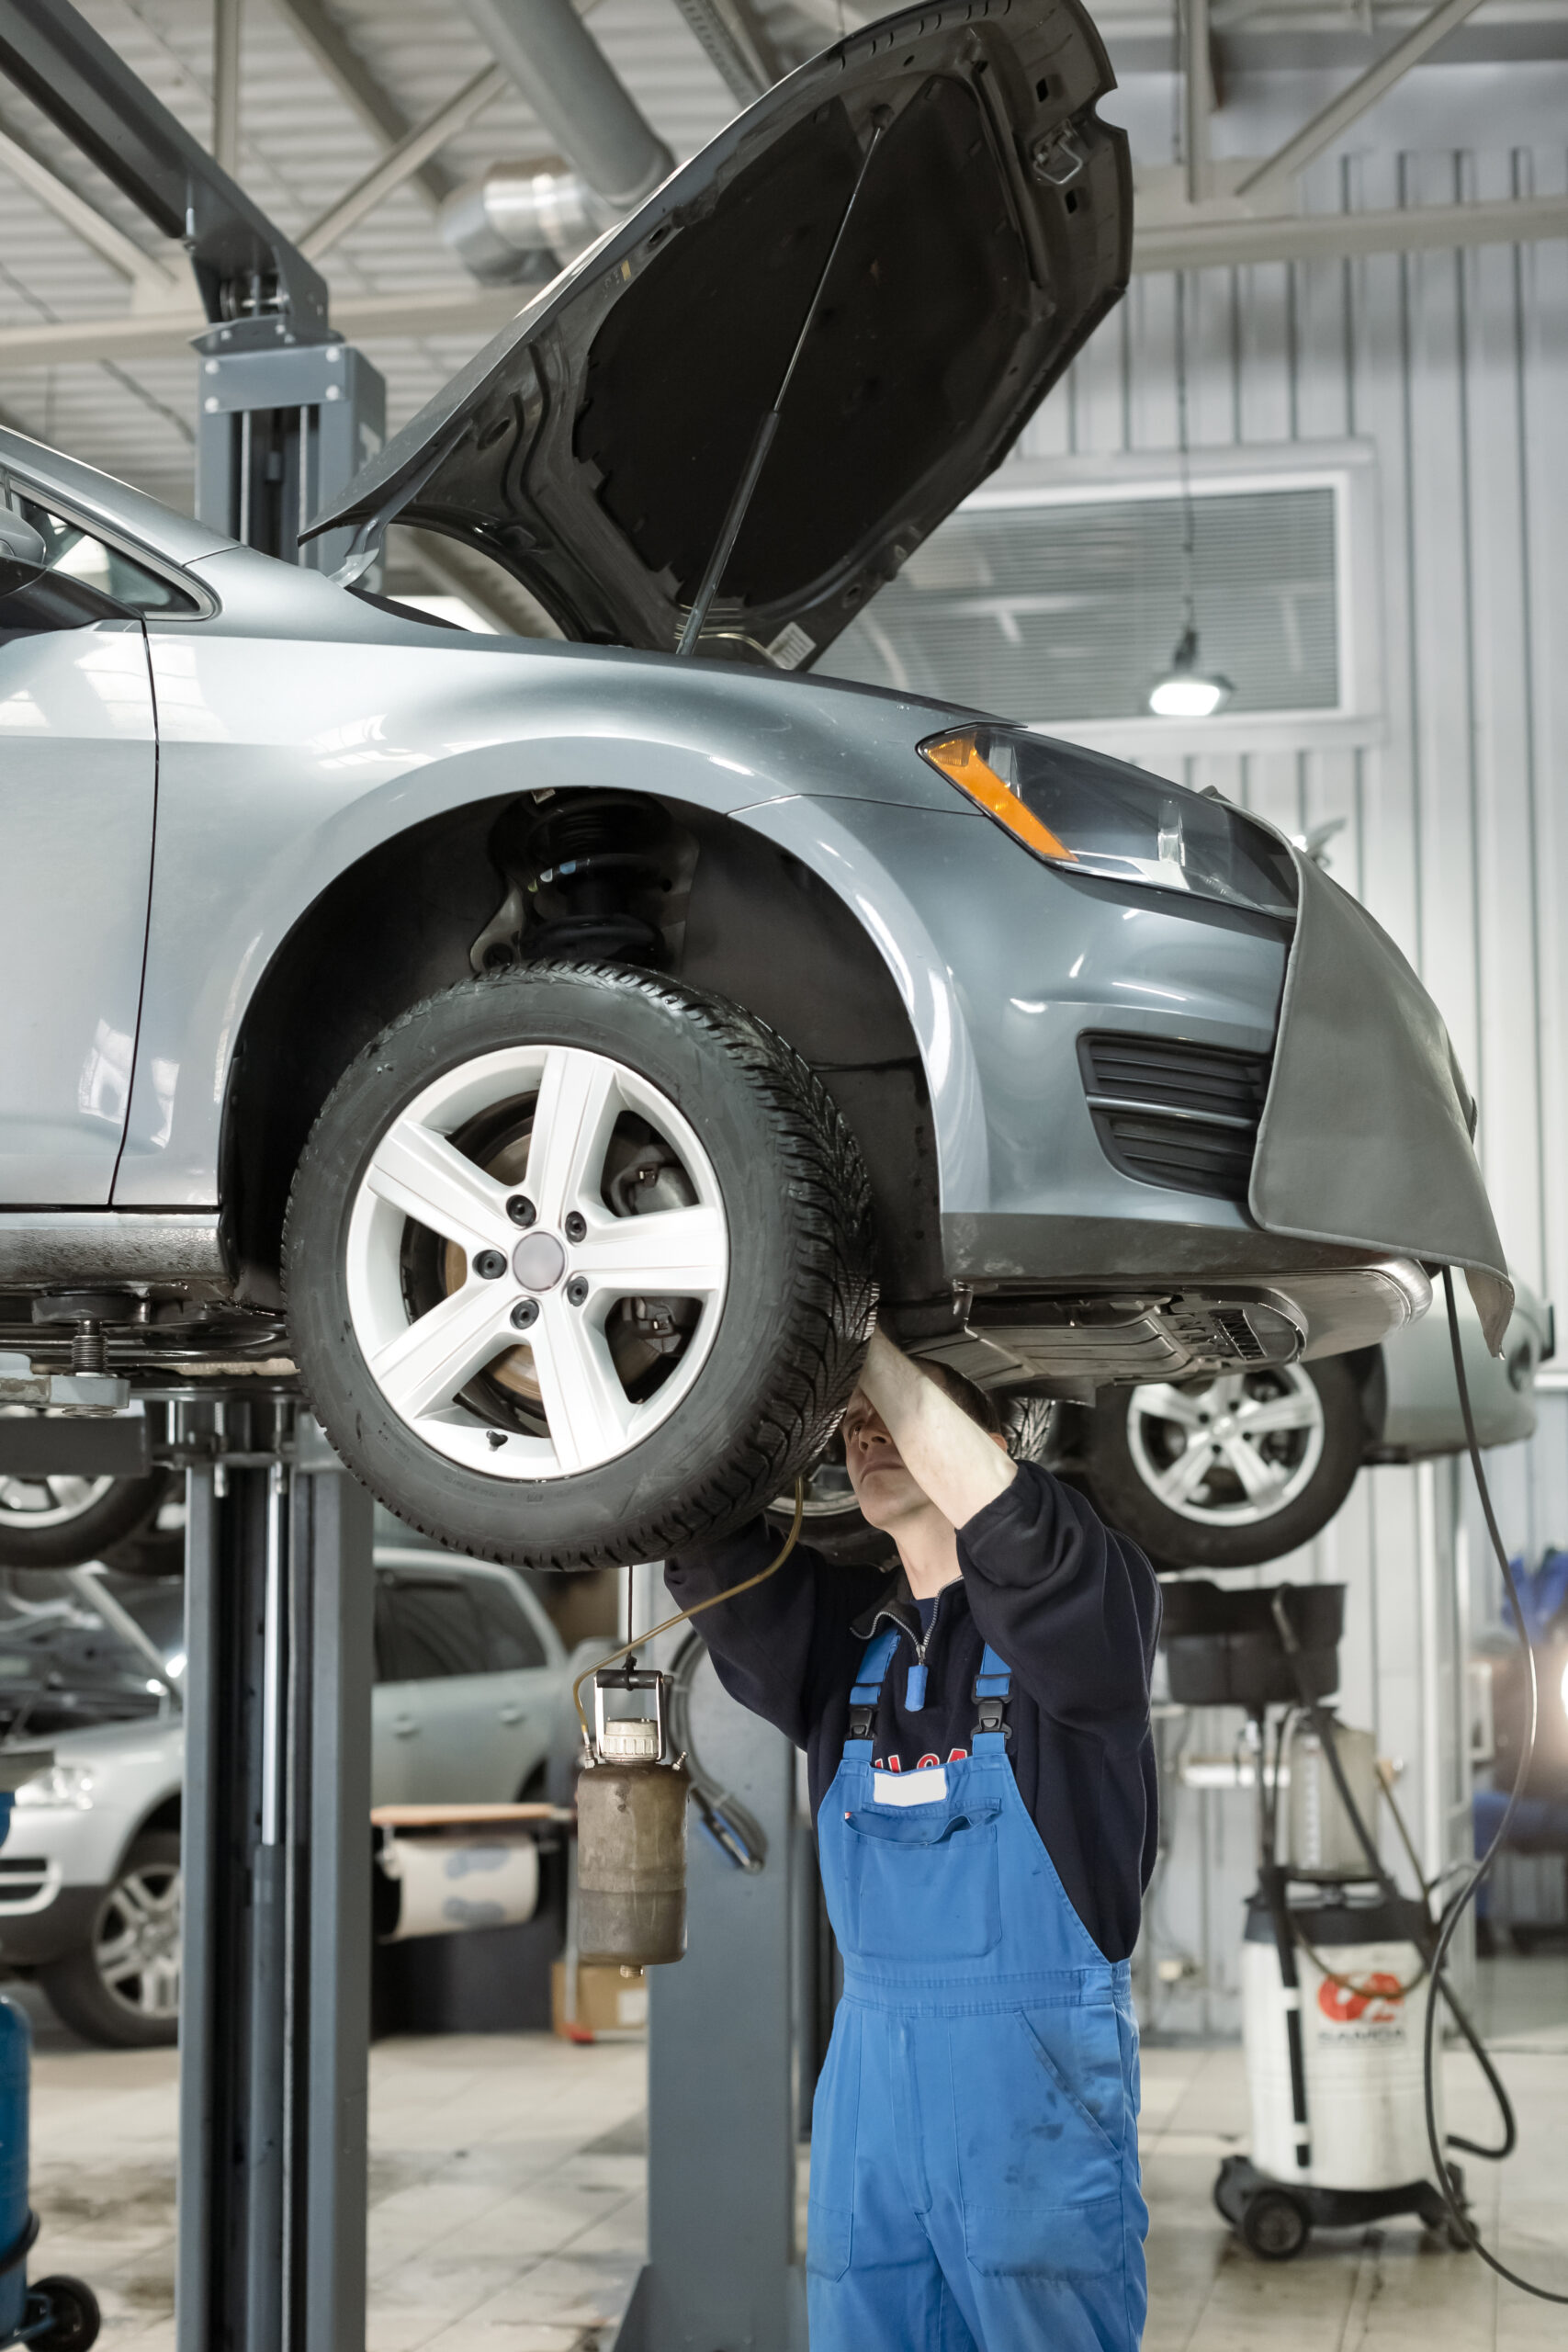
(631, 1832)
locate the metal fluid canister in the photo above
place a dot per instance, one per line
(1361, 1997)
(631, 1834)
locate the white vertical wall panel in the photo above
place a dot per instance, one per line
(1453, 366)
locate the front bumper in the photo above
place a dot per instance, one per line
(1080, 1272)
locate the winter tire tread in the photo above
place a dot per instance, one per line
(832, 1295)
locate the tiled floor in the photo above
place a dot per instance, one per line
(507, 2210)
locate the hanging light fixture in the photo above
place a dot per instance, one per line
(1187, 690)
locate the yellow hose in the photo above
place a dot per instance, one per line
(695, 1610)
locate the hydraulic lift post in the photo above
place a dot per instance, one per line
(286, 413)
(276, 1853)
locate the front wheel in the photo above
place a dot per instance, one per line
(62, 1518)
(579, 1266)
(1239, 1470)
(122, 1989)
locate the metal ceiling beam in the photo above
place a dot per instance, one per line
(370, 99)
(401, 162)
(1310, 141)
(459, 309)
(1199, 245)
(1341, 236)
(1196, 97)
(226, 15)
(110, 244)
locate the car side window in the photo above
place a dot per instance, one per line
(511, 1638)
(435, 1629)
(84, 578)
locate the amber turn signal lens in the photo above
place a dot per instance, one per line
(960, 761)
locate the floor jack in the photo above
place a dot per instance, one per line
(55, 2314)
(1333, 1953)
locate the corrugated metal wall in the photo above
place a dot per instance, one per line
(1452, 367)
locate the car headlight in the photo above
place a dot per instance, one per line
(67, 1786)
(1089, 814)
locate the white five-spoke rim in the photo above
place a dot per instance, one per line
(420, 1366)
(1220, 1431)
(49, 1501)
(138, 1950)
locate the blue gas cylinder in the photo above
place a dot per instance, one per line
(16, 2060)
(16, 2054)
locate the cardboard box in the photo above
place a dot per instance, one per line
(609, 2000)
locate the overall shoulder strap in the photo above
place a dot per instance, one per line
(868, 1684)
(993, 1689)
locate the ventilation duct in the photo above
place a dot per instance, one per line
(553, 58)
(521, 220)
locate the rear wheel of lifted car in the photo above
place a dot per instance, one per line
(122, 1989)
(1240, 1470)
(579, 1266)
(62, 1521)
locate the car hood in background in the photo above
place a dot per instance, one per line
(594, 445)
(1365, 1132)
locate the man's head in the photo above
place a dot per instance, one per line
(883, 1488)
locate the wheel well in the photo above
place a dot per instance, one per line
(732, 913)
(164, 1816)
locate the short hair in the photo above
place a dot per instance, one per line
(980, 1407)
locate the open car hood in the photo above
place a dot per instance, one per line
(594, 445)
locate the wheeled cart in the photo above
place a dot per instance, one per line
(1275, 2218)
(1332, 1954)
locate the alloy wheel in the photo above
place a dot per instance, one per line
(537, 1261)
(27, 1504)
(137, 1948)
(1234, 1453)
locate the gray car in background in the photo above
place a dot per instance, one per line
(555, 1049)
(471, 1704)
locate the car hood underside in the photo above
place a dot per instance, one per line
(942, 181)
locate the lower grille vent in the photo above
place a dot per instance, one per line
(1173, 1113)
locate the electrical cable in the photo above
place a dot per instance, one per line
(639, 1641)
(1455, 1910)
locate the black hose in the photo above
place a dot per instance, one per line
(1455, 1911)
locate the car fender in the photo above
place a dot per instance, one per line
(256, 819)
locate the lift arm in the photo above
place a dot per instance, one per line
(252, 280)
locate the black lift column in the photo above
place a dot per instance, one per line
(274, 1997)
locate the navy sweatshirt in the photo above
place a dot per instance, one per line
(1073, 1610)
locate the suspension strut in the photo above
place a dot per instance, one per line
(579, 873)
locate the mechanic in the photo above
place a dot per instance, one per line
(983, 1783)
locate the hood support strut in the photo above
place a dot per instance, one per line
(745, 488)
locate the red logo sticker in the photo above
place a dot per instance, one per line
(1376, 2001)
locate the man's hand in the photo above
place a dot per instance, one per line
(953, 1461)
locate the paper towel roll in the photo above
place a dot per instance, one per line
(449, 1880)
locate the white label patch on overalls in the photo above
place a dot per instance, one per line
(909, 1788)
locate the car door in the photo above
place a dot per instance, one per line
(395, 1717)
(77, 779)
(436, 1652)
(522, 1690)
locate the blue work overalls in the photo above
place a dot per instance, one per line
(975, 2151)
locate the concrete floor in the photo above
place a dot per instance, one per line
(506, 2196)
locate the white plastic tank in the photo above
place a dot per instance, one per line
(1362, 2009)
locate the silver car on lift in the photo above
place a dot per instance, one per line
(555, 1048)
